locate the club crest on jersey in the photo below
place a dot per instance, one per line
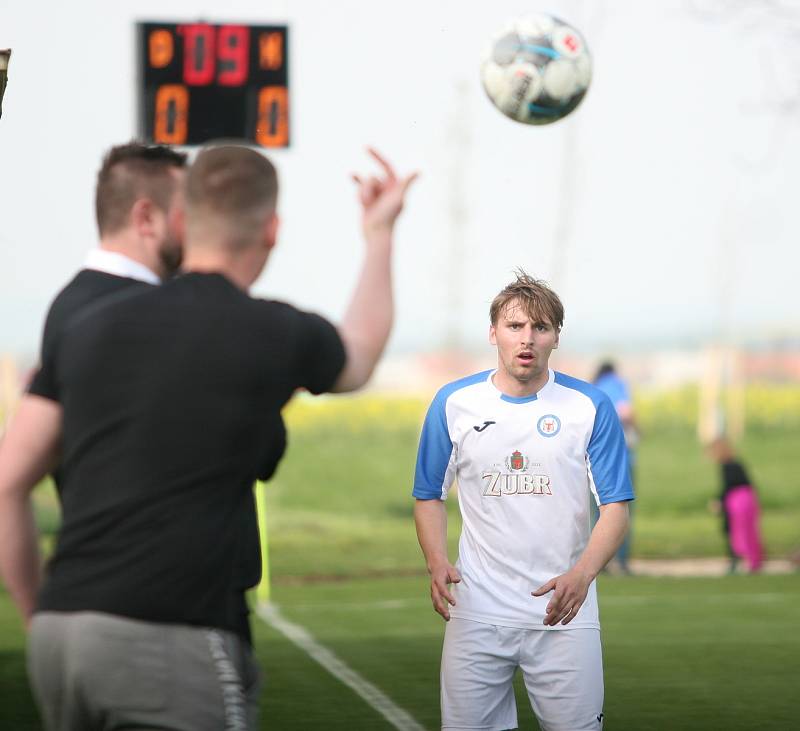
(548, 425)
(517, 461)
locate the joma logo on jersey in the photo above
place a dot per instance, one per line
(503, 483)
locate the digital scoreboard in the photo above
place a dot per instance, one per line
(199, 82)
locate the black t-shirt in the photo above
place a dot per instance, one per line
(733, 475)
(93, 289)
(88, 287)
(172, 400)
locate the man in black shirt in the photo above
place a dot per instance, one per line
(171, 398)
(139, 212)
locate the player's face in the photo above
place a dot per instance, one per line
(523, 350)
(170, 249)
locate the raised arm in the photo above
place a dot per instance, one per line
(29, 450)
(368, 320)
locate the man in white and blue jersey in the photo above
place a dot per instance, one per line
(525, 446)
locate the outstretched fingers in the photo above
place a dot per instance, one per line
(384, 163)
(406, 182)
(544, 588)
(557, 609)
(568, 597)
(569, 614)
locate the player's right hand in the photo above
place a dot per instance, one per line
(569, 593)
(442, 575)
(382, 198)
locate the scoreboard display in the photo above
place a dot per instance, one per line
(199, 82)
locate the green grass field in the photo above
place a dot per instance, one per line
(689, 654)
(721, 653)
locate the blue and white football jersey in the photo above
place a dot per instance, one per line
(525, 468)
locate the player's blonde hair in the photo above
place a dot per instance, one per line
(230, 190)
(535, 298)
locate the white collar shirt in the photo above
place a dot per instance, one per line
(112, 262)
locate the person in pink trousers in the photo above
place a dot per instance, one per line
(738, 504)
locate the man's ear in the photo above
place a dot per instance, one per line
(558, 337)
(492, 335)
(141, 216)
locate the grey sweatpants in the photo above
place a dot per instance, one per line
(97, 672)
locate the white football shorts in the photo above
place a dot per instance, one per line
(562, 669)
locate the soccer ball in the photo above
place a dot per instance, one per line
(537, 69)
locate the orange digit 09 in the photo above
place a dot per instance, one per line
(272, 125)
(172, 114)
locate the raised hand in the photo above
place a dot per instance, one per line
(381, 197)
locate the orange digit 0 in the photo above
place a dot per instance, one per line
(161, 48)
(272, 126)
(172, 114)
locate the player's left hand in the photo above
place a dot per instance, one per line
(569, 593)
(382, 198)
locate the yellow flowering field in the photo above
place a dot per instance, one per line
(766, 405)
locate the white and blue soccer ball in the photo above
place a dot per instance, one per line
(537, 69)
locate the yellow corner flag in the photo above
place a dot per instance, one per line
(263, 590)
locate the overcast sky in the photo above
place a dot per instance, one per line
(664, 210)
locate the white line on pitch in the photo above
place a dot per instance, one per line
(381, 604)
(374, 697)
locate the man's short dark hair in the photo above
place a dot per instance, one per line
(130, 172)
(233, 186)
